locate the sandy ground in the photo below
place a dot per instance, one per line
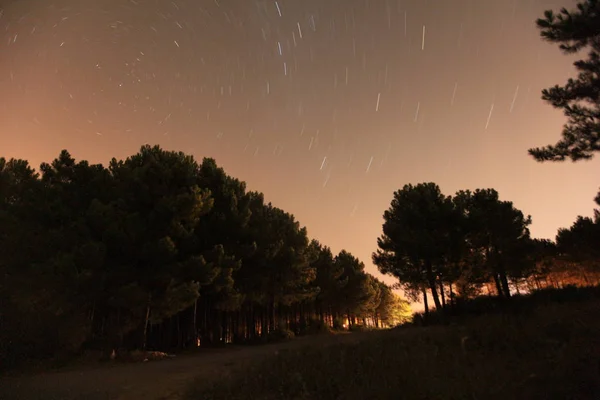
(166, 379)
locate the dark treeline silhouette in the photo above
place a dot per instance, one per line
(160, 252)
(473, 243)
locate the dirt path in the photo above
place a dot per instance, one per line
(165, 379)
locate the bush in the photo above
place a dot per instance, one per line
(280, 334)
(317, 326)
(566, 294)
(359, 328)
(310, 326)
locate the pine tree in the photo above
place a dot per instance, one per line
(416, 238)
(579, 98)
(498, 233)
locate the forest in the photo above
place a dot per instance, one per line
(160, 252)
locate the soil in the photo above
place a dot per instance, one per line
(166, 379)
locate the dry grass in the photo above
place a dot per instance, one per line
(552, 352)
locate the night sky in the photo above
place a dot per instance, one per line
(326, 106)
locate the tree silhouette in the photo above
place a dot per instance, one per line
(330, 281)
(357, 289)
(455, 246)
(497, 234)
(581, 242)
(573, 260)
(417, 237)
(220, 233)
(158, 213)
(579, 98)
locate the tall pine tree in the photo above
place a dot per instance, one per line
(575, 31)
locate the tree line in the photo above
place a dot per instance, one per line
(474, 243)
(158, 251)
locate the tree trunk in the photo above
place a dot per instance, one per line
(498, 285)
(264, 322)
(432, 285)
(93, 314)
(505, 286)
(585, 278)
(179, 336)
(205, 330)
(195, 328)
(443, 294)
(251, 321)
(272, 315)
(145, 337)
(425, 301)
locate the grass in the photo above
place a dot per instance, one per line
(548, 352)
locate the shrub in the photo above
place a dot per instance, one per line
(317, 326)
(359, 328)
(280, 334)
